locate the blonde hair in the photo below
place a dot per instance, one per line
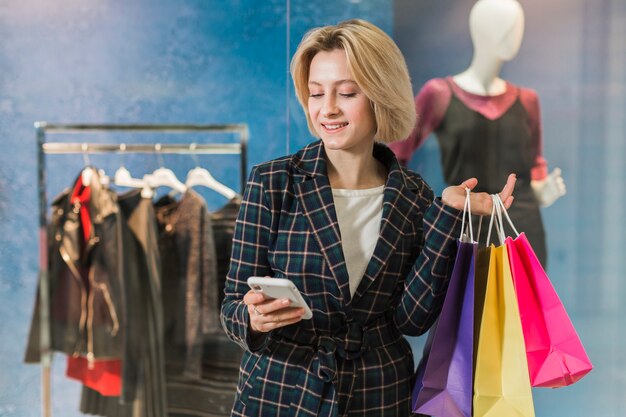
(377, 66)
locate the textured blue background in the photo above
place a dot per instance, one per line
(210, 61)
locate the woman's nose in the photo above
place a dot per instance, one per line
(329, 107)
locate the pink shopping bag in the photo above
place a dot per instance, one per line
(556, 356)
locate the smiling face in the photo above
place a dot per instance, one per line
(340, 112)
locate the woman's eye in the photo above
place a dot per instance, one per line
(347, 94)
(315, 95)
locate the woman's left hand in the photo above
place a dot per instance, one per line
(454, 196)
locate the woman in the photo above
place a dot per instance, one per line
(361, 237)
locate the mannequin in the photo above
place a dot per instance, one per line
(487, 126)
(497, 29)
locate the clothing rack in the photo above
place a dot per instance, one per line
(44, 129)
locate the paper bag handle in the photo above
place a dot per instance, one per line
(467, 213)
(496, 214)
(506, 214)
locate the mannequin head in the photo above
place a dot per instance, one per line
(497, 28)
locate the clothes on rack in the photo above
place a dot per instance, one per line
(213, 393)
(151, 387)
(223, 230)
(86, 280)
(135, 289)
(134, 393)
(189, 280)
(104, 296)
(103, 376)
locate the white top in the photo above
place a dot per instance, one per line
(359, 213)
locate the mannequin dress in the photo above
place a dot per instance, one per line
(486, 137)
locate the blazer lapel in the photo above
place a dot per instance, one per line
(315, 196)
(399, 209)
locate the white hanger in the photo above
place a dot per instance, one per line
(124, 179)
(87, 176)
(104, 178)
(122, 176)
(201, 176)
(87, 171)
(164, 177)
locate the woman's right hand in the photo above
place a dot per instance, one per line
(267, 314)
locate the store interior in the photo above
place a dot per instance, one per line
(214, 63)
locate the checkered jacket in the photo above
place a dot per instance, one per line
(351, 358)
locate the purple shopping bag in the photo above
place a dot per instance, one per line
(444, 376)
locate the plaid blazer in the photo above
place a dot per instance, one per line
(351, 358)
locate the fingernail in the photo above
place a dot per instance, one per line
(286, 302)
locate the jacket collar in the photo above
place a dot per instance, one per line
(315, 195)
(311, 162)
(102, 203)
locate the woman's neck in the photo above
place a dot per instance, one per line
(354, 171)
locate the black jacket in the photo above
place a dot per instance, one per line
(85, 278)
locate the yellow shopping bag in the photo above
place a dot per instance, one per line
(501, 381)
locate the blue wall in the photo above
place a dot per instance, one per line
(160, 61)
(574, 55)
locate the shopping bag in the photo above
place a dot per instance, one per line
(501, 381)
(556, 356)
(421, 367)
(444, 377)
(446, 384)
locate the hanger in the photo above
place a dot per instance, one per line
(86, 175)
(164, 177)
(123, 178)
(87, 171)
(202, 176)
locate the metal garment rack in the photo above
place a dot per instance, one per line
(43, 147)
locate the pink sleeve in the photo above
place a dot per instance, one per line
(431, 104)
(530, 101)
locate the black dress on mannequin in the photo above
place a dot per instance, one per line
(474, 146)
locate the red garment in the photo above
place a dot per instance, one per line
(80, 197)
(103, 376)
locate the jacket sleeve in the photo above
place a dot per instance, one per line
(426, 285)
(249, 257)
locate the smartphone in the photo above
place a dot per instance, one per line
(280, 288)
